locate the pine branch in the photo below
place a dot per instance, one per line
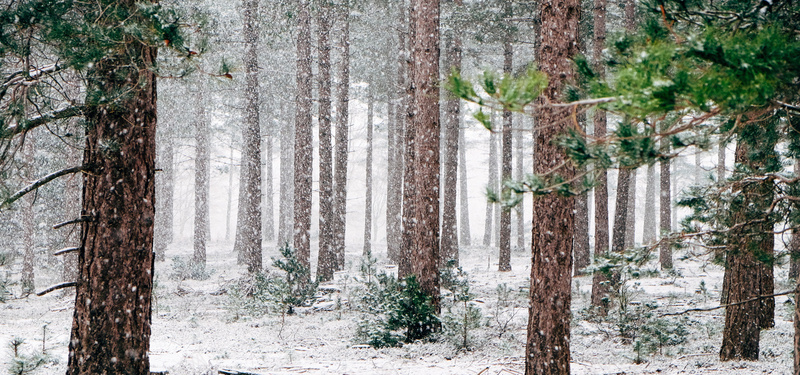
(39, 183)
(41, 120)
(67, 250)
(730, 304)
(68, 284)
(74, 221)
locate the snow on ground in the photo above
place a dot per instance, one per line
(195, 332)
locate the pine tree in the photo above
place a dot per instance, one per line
(326, 260)
(303, 146)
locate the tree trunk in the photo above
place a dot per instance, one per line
(72, 210)
(520, 174)
(202, 174)
(29, 217)
(231, 170)
(630, 218)
(425, 104)
(111, 323)
(368, 198)
(248, 228)
(452, 114)
(405, 115)
(547, 350)
(465, 236)
(504, 258)
(268, 216)
(342, 142)
(649, 232)
(394, 182)
(794, 244)
(488, 229)
(286, 209)
(326, 261)
(165, 192)
(665, 214)
(796, 320)
(303, 146)
(601, 240)
(621, 211)
(721, 161)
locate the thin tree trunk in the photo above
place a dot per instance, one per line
(548, 334)
(303, 146)
(202, 170)
(630, 219)
(621, 210)
(342, 142)
(465, 236)
(794, 244)
(601, 240)
(268, 217)
(405, 114)
(520, 209)
(504, 258)
(166, 192)
(113, 299)
(490, 207)
(721, 161)
(450, 179)
(394, 182)
(286, 209)
(29, 218)
(231, 170)
(425, 104)
(248, 228)
(649, 232)
(326, 261)
(665, 214)
(368, 199)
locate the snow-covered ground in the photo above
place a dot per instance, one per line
(196, 332)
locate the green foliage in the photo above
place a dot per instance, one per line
(188, 270)
(395, 312)
(462, 315)
(297, 288)
(21, 363)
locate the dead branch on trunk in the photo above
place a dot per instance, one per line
(68, 284)
(39, 183)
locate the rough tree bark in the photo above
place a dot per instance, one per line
(450, 163)
(504, 257)
(303, 146)
(286, 205)
(248, 224)
(111, 322)
(326, 261)
(425, 104)
(630, 218)
(547, 349)
(665, 213)
(405, 115)
(202, 174)
(28, 216)
(342, 140)
(601, 240)
(394, 181)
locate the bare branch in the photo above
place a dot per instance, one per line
(68, 284)
(41, 120)
(81, 219)
(67, 250)
(39, 183)
(754, 299)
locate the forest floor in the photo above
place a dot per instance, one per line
(198, 330)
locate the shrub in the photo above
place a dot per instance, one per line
(183, 270)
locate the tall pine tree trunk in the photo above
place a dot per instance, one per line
(113, 297)
(405, 115)
(394, 181)
(488, 228)
(286, 206)
(326, 261)
(665, 213)
(465, 236)
(520, 174)
(649, 232)
(248, 228)
(29, 217)
(794, 244)
(303, 146)
(547, 350)
(630, 218)
(342, 141)
(229, 205)
(268, 216)
(601, 240)
(504, 258)
(202, 174)
(425, 104)
(368, 188)
(450, 164)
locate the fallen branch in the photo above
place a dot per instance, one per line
(67, 250)
(42, 181)
(730, 304)
(68, 284)
(234, 372)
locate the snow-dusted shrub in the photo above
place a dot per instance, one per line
(188, 270)
(21, 363)
(462, 315)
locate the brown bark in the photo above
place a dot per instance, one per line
(452, 114)
(248, 227)
(504, 258)
(202, 160)
(601, 240)
(406, 114)
(394, 182)
(547, 350)
(368, 194)
(630, 218)
(303, 146)
(425, 104)
(342, 142)
(111, 324)
(326, 260)
(621, 211)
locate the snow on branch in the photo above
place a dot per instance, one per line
(39, 183)
(68, 284)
